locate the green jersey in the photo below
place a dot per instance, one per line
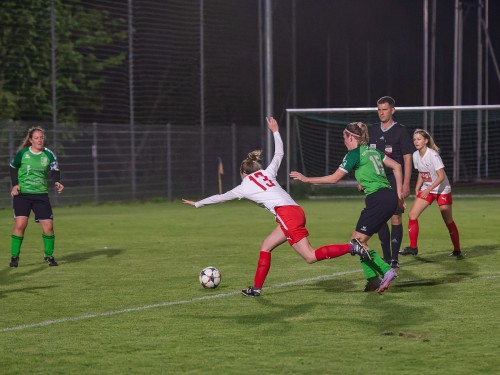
(368, 166)
(32, 169)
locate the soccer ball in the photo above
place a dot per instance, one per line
(210, 277)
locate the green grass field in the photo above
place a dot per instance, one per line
(126, 298)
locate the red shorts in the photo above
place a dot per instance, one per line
(292, 221)
(442, 199)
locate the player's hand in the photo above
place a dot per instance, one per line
(406, 190)
(360, 188)
(402, 204)
(298, 176)
(59, 187)
(424, 193)
(15, 190)
(188, 202)
(272, 124)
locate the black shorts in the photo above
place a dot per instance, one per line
(23, 204)
(392, 181)
(380, 206)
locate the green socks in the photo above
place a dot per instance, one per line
(48, 244)
(375, 267)
(15, 245)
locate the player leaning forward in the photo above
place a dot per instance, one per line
(381, 200)
(260, 186)
(29, 176)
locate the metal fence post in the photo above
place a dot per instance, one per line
(96, 163)
(11, 138)
(233, 148)
(169, 161)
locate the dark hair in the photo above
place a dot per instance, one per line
(388, 100)
(251, 163)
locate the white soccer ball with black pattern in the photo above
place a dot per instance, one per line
(210, 277)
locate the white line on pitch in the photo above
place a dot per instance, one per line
(163, 304)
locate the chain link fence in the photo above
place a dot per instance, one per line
(97, 164)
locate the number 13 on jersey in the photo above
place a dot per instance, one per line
(261, 180)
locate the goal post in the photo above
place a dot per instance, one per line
(468, 136)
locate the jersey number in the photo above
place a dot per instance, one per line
(377, 164)
(265, 181)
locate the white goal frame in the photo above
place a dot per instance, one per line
(427, 125)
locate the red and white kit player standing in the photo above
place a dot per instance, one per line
(260, 186)
(432, 185)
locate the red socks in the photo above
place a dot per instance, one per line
(413, 232)
(452, 228)
(331, 251)
(263, 267)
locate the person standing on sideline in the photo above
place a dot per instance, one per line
(381, 200)
(260, 186)
(29, 176)
(393, 139)
(432, 185)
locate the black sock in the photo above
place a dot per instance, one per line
(397, 238)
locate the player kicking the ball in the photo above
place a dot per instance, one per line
(260, 186)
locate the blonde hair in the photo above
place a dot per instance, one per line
(252, 162)
(430, 141)
(27, 140)
(359, 131)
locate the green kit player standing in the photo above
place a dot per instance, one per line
(381, 201)
(29, 172)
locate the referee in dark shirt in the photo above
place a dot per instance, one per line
(392, 138)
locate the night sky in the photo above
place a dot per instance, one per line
(352, 52)
(348, 54)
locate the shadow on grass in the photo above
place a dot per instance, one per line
(30, 290)
(12, 275)
(80, 257)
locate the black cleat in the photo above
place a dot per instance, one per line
(14, 262)
(409, 251)
(251, 292)
(457, 254)
(51, 261)
(372, 284)
(358, 249)
(394, 264)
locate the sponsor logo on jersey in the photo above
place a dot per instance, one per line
(44, 161)
(26, 156)
(388, 149)
(373, 145)
(426, 176)
(363, 228)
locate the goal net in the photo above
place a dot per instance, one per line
(468, 137)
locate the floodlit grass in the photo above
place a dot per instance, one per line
(126, 299)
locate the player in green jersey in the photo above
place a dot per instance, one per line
(29, 176)
(381, 201)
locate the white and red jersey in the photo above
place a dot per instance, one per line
(427, 166)
(260, 187)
